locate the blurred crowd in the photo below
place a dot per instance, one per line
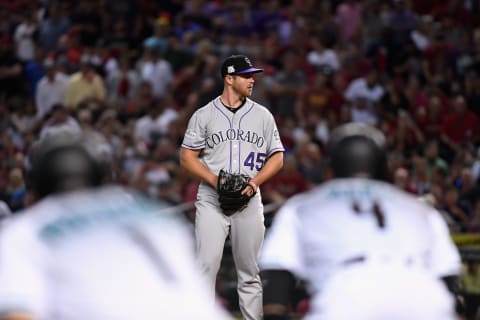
(135, 70)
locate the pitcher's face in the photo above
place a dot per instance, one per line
(243, 84)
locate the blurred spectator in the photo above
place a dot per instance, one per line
(286, 183)
(361, 110)
(11, 84)
(430, 116)
(139, 104)
(59, 120)
(420, 179)
(160, 171)
(288, 84)
(434, 198)
(23, 118)
(321, 56)
(34, 71)
(402, 21)
(108, 125)
(467, 193)
(158, 41)
(52, 26)
(156, 70)
(84, 84)
(436, 66)
(154, 123)
(460, 124)
(405, 137)
(349, 21)
(24, 37)
(393, 102)
(123, 82)
(316, 98)
(125, 11)
(421, 35)
(87, 20)
(119, 37)
(415, 93)
(85, 121)
(267, 17)
(367, 88)
(402, 180)
(17, 191)
(454, 211)
(311, 163)
(376, 15)
(51, 89)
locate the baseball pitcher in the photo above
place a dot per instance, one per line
(233, 146)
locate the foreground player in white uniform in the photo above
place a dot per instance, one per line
(367, 250)
(86, 251)
(240, 136)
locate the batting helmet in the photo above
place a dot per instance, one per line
(358, 150)
(66, 161)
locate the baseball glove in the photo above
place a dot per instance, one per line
(229, 189)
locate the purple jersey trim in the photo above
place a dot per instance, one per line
(275, 150)
(193, 147)
(231, 127)
(239, 127)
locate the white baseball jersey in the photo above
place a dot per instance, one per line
(330, 237)
(102, 254)
(238, 142)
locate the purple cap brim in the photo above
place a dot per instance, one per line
(249, 70)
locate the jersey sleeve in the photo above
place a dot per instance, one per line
(282, 248)
(273, 137)
(445, 258)
(195, 134)
(22, 284)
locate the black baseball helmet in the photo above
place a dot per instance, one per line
(66, 161)
(358, 150)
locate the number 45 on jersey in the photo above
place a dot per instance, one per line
(255, 160)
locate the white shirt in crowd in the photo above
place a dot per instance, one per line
(159, 74)
(146, 125)
(359, 88)
(363, 116)
(50, 93)
(326, 58)
(69, 125)
(24, 40)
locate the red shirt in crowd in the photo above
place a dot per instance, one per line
(459, 126)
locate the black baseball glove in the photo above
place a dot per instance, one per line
(229, 188)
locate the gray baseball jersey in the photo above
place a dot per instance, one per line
(239, 142)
